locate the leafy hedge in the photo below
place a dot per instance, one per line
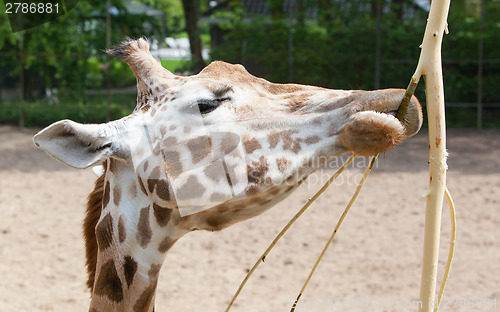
(340, 53)
(335, 50)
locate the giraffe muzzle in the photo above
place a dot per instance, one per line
(373, 127)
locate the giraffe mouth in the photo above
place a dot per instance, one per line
(387, 102)
(412, 120)
(373, 127)
(392, 113)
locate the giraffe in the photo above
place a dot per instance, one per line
(201, 153)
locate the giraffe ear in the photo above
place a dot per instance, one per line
(146, 68)
(76, 145)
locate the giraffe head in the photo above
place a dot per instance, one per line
(204, 152)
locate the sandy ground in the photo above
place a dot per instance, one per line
(374, 264)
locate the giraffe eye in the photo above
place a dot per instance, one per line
(209, 105)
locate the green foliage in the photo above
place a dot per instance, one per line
(41, 113)
(338, 55)
(67, 53)
(174, 14)
(337, 50)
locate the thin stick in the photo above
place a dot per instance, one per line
(330, 240)
(452, 246)
(403, 107)
(290, 223)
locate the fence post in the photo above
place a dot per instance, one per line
(290, 41)
(21, 72)
(480, 56)
(108, 67)
(378, 44)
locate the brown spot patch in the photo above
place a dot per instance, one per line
(146, 298)
(290, 188)
(153, 271)
(296, 102)
(173, 162)
(229, 143)
(162, 189)
(216, 223)
(238, 207)
(199, 147)
(122, 233)
(162, 214)
(145, 108)
(132, 190)
(312, 139)
(275, 190)
(141, 185)
(282, 163)
(262, 201)
(104, 232)
(289, 143)
(219, 197)
(117, 195)
(257, 171)
(105, 196)
(166, 244)
(191, 189)
(251, 190)
(112, 165)
(317, 121)
(163, 130)
(153, 179)
(169, 141)
(108, 283)
(251, 144)
(231, 174)
(213, 172)
(129, 269)
(332, 130)
(144, 232)
(156, 150)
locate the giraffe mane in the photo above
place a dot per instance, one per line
(92, 215)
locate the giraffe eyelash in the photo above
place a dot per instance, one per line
(209, 105)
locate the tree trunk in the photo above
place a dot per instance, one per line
(277, 9)
(191, 14)
(326, 11)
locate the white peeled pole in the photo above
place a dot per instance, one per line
(429, 65)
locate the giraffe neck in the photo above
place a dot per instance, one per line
(133, 235)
